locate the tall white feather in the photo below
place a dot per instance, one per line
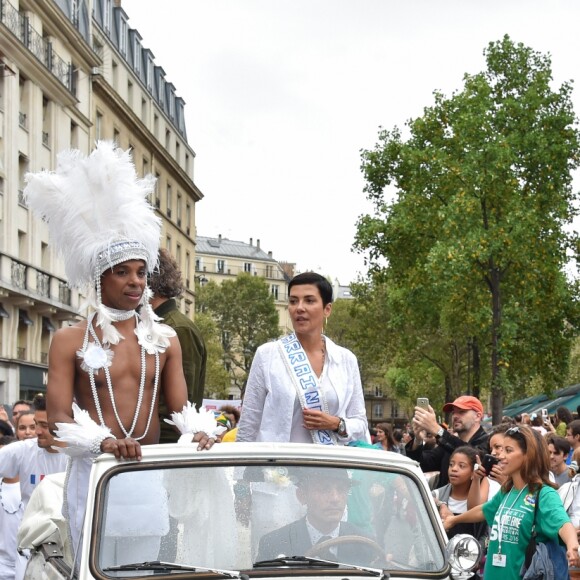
(90, 202)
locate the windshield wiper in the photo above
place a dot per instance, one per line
(295, 561)
(318, 562)
(158, 566)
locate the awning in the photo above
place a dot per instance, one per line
(527, 405)
(571, 403)
(568, 397)
(47, 324)
(25, 319)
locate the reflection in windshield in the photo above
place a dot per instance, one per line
(231, 517)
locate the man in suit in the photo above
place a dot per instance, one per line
(324, 492)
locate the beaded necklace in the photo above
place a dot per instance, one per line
(107, 355)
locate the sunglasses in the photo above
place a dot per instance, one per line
(513, 431)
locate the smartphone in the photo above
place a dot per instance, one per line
(544, 415)
(423, 402)
(488, 462)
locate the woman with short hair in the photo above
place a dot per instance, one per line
(304, 388)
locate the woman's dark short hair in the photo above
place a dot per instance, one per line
(315, 279)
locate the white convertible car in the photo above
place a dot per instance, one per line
(248, 511)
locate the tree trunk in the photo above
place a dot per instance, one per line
(476, 367)
(496, 390)
(448, 394)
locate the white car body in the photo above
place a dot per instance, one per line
(211, 511)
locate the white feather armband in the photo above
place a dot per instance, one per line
(190, 421)
(83, 437)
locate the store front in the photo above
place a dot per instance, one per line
(33, 380)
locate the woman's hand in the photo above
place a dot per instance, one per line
(318, 420)
(573, 556)
(478, 471)
(497, 474)
(444, 512)
(448, 522)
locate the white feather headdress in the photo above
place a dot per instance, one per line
(97, 212)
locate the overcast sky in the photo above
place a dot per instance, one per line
(281, 95)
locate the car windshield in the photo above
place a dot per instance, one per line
(237, 517)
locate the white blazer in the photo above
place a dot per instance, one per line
(269, 397)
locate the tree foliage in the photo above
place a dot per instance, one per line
(245, 314)
(217, 378)
(467, 240)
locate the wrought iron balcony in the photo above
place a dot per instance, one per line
(43, 284)
(40, 47)
(18, 275)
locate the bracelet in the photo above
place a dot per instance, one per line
(95, 445)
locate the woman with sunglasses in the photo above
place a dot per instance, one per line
(510, 513)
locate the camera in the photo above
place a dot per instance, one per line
(488, 462)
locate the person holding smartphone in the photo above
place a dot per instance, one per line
(488, 477)
(466, 413)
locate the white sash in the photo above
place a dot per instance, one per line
(308, 388)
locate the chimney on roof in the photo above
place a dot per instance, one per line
(269, 254)
(220, 238)
(258, 243)
(251, 241)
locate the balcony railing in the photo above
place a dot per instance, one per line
(22, 118)
(45, 138)
(19, 275)
(44, 358)
(40, 47)
(21, 200)
(21, 272)
(21, 353)
(43, 284)
(64, 294)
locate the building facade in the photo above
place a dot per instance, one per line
(73, 72)
(220, 259)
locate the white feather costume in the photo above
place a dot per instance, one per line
(98, 216)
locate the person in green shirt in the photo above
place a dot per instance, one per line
(563, 418)
(166, 284)
(510, 513)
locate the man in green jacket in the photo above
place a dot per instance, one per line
(167, 285)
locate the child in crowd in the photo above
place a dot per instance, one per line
(453, 498)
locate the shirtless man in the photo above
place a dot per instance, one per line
(122, 288)
(105, 374)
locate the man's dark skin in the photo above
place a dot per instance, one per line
(121, 288)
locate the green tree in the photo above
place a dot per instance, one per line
(246, 317)
(468, 231)
(217, 378)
